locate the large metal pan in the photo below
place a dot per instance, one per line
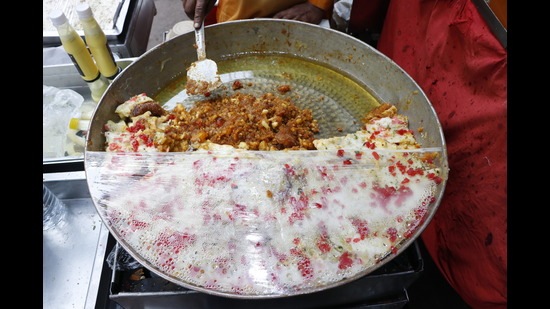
(337, 76)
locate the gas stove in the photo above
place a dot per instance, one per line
(133, 286)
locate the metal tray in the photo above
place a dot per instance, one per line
(73, 251)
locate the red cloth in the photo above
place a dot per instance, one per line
(448, 49)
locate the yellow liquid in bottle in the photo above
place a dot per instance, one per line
(79, 54)
(99, 47)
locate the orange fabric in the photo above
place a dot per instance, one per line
(323, 4)
(449, 50)
(245, 9)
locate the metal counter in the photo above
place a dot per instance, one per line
(73, 252)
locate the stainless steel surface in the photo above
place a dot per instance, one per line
(194, 300)
(341, 53)
(73, 252)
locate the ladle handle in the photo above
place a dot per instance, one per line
(199, 39)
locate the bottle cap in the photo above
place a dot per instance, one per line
(83, 10)
(57, 17)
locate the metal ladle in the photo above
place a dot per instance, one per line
(202, 75)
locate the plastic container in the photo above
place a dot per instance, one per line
(97, 42)
(78, 52)
(53, 209)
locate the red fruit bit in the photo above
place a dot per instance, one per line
(138, 225)
(176, 240)
(135, 145)
(404, 193)
(345, 261)
(419, 213)
(435, 178)
(289, 170)
(146, 140)
(361, 227)
(402, 131)
(358, 155)
(385, 192)
(138, 126)
(347, 162)
(402, 168)
(369, 145)
(296, 216)
(239, 210)
(197, 164)
(114, 147)
(304, 265)
(323, 171)
(340, 152)
(392, 233)
(323, 244)
(415, 171)
(376, 155)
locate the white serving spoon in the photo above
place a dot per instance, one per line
(202, 75)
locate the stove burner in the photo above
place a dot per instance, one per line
(134, 286)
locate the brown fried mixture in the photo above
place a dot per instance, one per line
(384, 110)
(243, 121)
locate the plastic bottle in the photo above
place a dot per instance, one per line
(53, 209)
(78, 52)
(97, 42)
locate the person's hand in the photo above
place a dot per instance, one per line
(197, 10)
(305, 12)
